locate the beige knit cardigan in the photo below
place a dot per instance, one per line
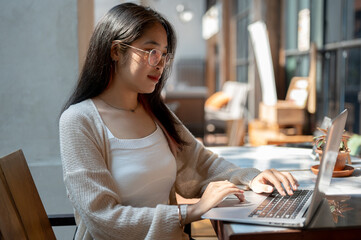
(93, 192)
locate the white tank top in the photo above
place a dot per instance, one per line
(144, 168)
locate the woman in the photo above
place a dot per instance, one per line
(124, 154)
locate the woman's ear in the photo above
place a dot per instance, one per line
(114, 52)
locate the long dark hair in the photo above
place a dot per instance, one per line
(125, 22)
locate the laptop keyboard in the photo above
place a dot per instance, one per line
(278, 206)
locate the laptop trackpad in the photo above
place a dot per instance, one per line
(233, 209)
(251, 199)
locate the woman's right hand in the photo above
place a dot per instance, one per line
(212, 196)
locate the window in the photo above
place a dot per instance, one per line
(343, 20)
(341, 74)
(297, 63)
(336, 29)
(241, 15)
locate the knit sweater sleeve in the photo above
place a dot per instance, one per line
(198, 166)
(93, 192)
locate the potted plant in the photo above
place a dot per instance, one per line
(343, 152)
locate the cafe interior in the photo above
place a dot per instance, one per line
(248, 74)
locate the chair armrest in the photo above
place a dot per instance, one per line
(62, 219)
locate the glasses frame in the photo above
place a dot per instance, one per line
(167, 57)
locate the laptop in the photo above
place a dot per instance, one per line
(297, 210)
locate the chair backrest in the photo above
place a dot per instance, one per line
(298, 91)
(22, 214)
(238, 93)
(302, 90)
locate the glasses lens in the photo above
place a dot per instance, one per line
(154, 57)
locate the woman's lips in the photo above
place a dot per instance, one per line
(154, 78)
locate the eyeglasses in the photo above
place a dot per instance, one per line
(154, 55)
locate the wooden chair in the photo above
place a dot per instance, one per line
(22, 214)
(230, 116)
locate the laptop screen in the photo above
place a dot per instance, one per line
(333, 140)
(327, 164)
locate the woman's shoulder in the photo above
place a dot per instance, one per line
(80, 111)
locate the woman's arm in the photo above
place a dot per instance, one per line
(205, 170)
(198, 166)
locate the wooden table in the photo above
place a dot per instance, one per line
(230, 231)
(298, 161)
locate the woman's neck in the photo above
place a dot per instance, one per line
(120, 99)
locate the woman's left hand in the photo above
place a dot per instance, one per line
(269, 179)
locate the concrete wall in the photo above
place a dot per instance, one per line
(38, 67)
(189, 34)
(190, 44)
